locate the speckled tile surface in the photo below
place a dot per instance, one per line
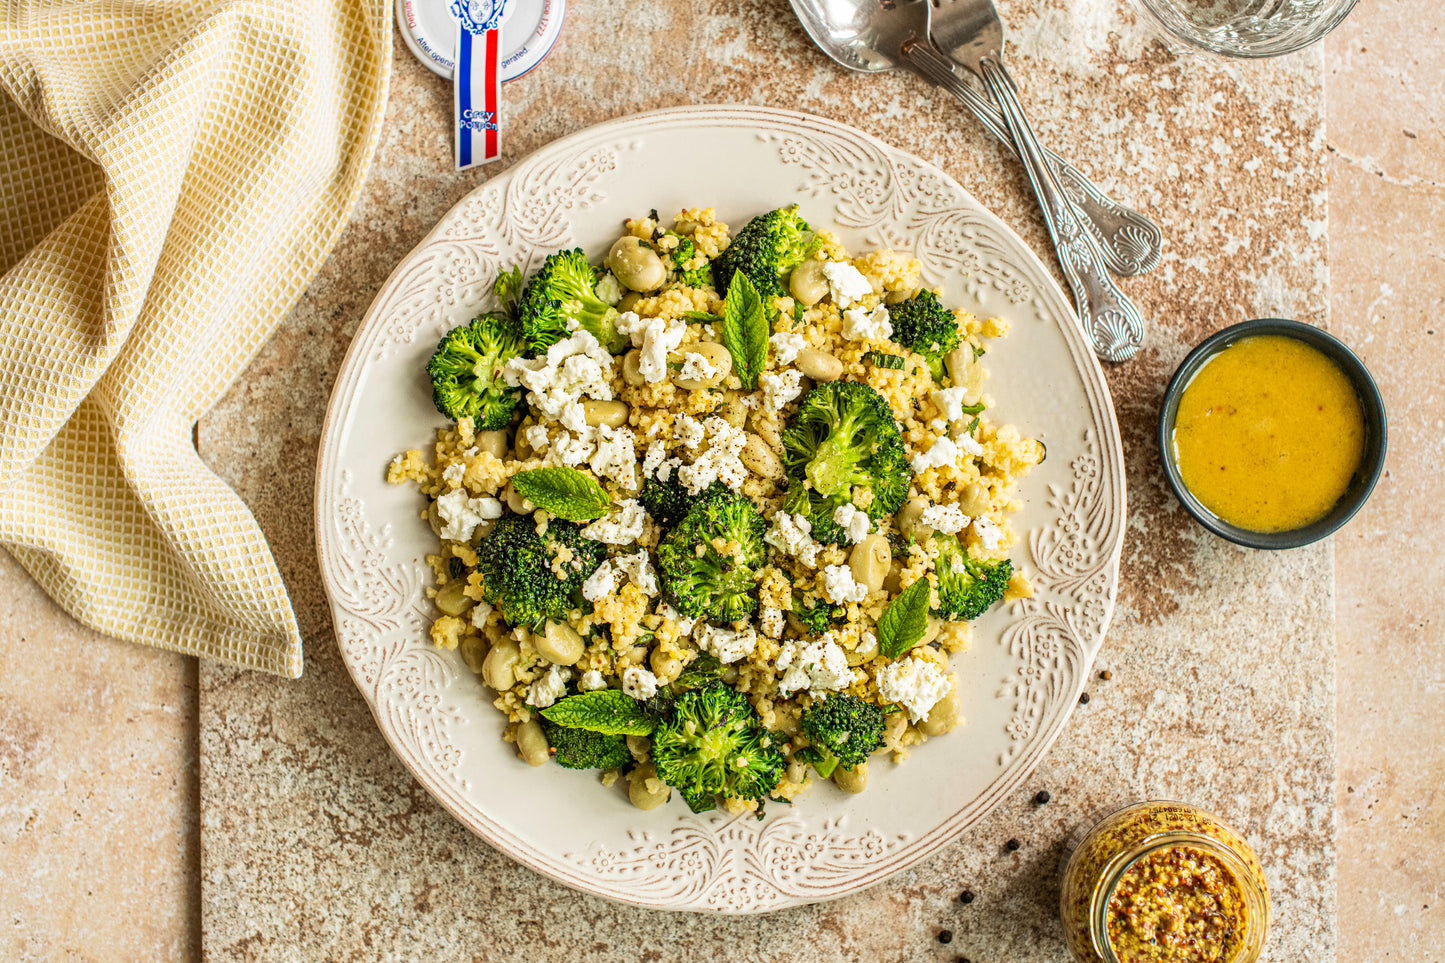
(318, 845)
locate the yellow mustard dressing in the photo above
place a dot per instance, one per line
(1268, 434)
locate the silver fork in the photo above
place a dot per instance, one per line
(1110, 319)
(1130, 242)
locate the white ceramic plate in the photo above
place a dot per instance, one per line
(1028, 663)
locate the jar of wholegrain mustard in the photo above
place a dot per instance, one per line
(1163, 882)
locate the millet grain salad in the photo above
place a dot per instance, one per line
(714, 515)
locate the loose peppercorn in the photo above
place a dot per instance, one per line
(966, 897)
(1106, 675)
(1084, 699)
(945, 936)
(1013, 845)
(1043, 797)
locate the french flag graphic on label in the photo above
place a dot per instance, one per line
(477, 81)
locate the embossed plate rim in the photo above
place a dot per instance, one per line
(437, 763)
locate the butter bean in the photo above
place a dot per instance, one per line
(869, 561)
(665, 667)
(853, 780)
(965, 372)
(629, 301)
(499, 669)
(451, 597)
(636, 265)
(532, 743)
(632, 368)
(808, 284)
(974, 500)
(559, 644)
(946, 714)
(613, 414)
(910, 518)
(493, 442)
(474, 652)
(716, 355)
(515, 501)
(524, 450)
(760, 458)
(819, 365)
(930, 632)
(644, 788)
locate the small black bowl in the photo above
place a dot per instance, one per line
(1372, 459)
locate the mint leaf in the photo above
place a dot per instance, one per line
(702, 316)
(564, 492)
(608, 711)
(745, 329)
(904, 621)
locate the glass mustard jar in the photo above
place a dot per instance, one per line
(1163, 882)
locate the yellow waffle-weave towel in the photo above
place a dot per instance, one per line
(172, 175)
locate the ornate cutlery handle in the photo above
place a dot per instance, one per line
(1129, 242)
(1110, 319)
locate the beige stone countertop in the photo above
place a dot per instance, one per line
(154, 809)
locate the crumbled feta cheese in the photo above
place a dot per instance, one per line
(601, 583)
(945, 518)
(688, 430)
(967, 444)
(943, 452)
(573, 367)
(721, 460)
(846, 283)
(853, 520)
(990, 536)
(656, 338)
(639, 683)
(789, 535)
(697, 367)
(462, 514)
(665, 470)
(638, 568)
(780, 388)
(574, 418)
(591, 681)
(838, 584)
(858, 326)
(656, 453)
(480, 612)
(536, 436)
(452, 474)
(818, 666)
(727, 645)
(786, 345)
(608, 290)
(770, 621)
(950, 402)
(616, 456)
(622, 527)
(915, 684)
(573, 450)
(549, 688)
(684, 625)
(867, 646)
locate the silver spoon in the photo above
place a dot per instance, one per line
(868, 35)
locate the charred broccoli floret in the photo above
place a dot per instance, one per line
(843, 730)
(564, 290)
(521, 568)
(714, 744)
(817, 614)
(585, 749)
(766, 250)
(668, 502)
(844, 447)
(924, 325)
(967, 586)
(466, 372)
(711, 561)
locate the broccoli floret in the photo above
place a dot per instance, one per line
(668, 502)
(714, 744)
(517, 565)
(924, 325)
(564, 290)
(696, 277)
(585, 749)
(818, 614)
(843, 730)
(466, 371)
(844, 446)
(966, 585)
(699, 672)
(766, 250)
(699, 579)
